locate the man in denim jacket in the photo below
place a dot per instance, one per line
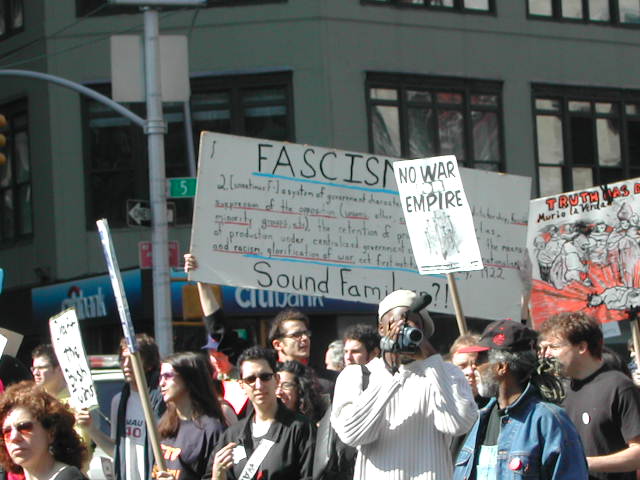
(518, 433)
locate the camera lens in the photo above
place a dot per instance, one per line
(414, 335)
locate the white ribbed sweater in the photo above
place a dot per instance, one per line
(403, 424)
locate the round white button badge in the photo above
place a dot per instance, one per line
(586, 418)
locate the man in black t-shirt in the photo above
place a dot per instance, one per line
(603, 404)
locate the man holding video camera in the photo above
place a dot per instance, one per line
(414, 403)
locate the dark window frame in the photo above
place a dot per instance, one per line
(556, 16)
(9, 29)
(235, 84)
(12, 111)
(100, 7)
(565, 94)
(466, 87)
(458, 6)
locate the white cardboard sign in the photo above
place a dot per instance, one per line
(14, 340)
(3, 343)
(318, 221)
(438, 216)
(67, 343)
(116, 284)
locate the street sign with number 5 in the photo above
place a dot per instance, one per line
(181, 187)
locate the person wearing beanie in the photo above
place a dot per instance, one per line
(413, 405)
(520, 432)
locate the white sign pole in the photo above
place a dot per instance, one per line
(67, 343)
(127, 327)
(116, 283)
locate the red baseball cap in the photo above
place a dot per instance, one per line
(504, 335)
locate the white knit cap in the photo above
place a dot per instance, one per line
(410, 299)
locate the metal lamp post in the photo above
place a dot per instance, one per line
(155, 130)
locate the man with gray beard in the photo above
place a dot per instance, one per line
(519, 432)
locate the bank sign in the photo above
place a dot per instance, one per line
(239, 301)
(92, 297)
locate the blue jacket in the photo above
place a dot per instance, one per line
(537, 440)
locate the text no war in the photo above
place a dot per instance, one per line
(435, 176)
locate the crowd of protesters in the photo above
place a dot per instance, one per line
(509, 402)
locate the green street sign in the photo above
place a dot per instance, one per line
(181, 187)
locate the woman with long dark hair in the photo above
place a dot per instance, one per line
(193, 421)
(298, 390)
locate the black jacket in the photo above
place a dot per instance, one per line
(291, 458)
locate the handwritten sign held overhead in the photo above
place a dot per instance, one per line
(438, 216)
(585, 252)
(318, 221)
(67, 343)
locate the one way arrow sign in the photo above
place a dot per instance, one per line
(139, 213)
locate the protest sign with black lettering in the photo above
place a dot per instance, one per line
(303, 219)
(585, 252)
(67, 343)
(438, 216)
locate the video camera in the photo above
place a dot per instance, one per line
(409, 338)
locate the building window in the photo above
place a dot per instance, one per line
(16, 220)
(102, 7)
(415, 116)
(467, 6)
(11, 17)
(116, 150)
(585, 137)
(616, 12)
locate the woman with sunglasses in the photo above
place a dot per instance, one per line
(193, 421)
(299, 390)
(271, 442)
(38, 438)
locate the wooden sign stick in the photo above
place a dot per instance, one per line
(457, 305)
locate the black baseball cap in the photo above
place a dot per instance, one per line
(504, 335)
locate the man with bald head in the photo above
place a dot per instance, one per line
(414, 404)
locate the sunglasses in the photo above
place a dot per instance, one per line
(24, 428)
(167, 376)
(264, 377)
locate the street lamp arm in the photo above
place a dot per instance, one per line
(125, 112)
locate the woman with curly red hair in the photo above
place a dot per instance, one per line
(38, 436)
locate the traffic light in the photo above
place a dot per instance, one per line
(3, 139)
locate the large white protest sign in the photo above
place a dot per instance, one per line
(67, 343)
(438, 216)
(585, 252)
(3, 343)
(318, 221)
